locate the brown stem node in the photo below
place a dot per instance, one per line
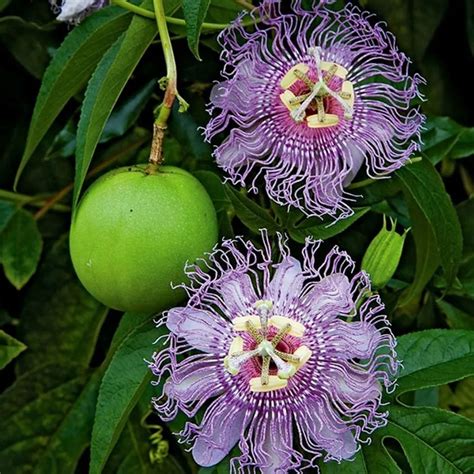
(156, 152)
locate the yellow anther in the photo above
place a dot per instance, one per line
(297, 329)
(265, 375)
(329, 121)
(236, 346)
(240, 323)
(230, 369)
(289, 100)
(303, 353)
(263, 305)
(274, 383)
(340, 71)
(347, 93)
(290, 78)
(286, 374)
(303, 77)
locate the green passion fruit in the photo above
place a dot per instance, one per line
(134, 231)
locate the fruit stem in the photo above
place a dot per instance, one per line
(171, 92)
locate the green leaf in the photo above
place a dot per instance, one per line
(67, 443)
(445, 138)
(466, 275)
(250, 213)
(28, 42)
(371, 459)
(434, 357)
(4, 4)
(216, 190)
(122, 385)
(9, 348)
(465, 212)
(185, 129)
(413, 23)
(456, 317)
(324, 230)
(38, 407)
(7, 210)
(69, 70)
(20, 248)
(463, 398)
(434, 440)
(57, 303)
(104, 89)
(194, 13)
(436, 227)
(127, 113)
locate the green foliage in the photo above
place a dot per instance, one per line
(122, 384)
(414, 23)
(104, 89)
(444, 138)
(20, 247)
(69, 71)
(324, 230)
(57, 300)
(49, 394)
(9, 348)
(436, 228)
(252, 215)
(434, 357)
(194, 14)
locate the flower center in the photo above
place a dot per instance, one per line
(258, 329)
(309, 100)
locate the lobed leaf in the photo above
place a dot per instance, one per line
(434, 357)
(433, 440)
(445, 138)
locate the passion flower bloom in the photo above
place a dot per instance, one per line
(288, 360)
(74, 11)
(309, 96)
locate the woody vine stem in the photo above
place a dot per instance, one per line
(168, 83)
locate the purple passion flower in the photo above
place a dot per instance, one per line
(288, 360)
(74, 11)
(309, 97)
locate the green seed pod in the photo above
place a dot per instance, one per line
(383, 254)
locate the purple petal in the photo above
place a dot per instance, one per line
(201, 329)
(358, 339)
(320, 425)
(331, 296)
(355, 387)
(237, 293)
(221, 429)
(194, 380)
(286, 284)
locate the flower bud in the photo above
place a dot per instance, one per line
(383, 254)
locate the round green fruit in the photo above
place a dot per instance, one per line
(133, 232)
